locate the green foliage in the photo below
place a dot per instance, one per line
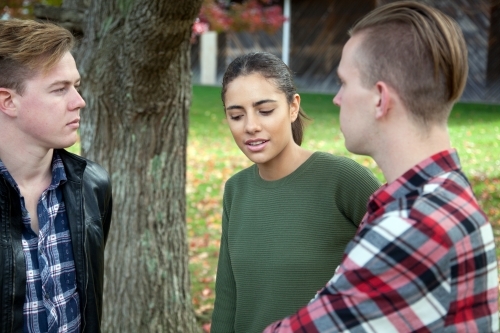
(24, 8)
(213, 157)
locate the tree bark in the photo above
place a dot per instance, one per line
(493, 67)
(136, 79)
(70, 18)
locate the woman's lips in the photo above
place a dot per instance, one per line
(256, 145)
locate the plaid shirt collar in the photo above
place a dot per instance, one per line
(58, 174)
(412, 181)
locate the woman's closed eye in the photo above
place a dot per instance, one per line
(236, 117)
(266, 112)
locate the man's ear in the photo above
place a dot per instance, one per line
(7, 105)
(295, 107)
(384, 99)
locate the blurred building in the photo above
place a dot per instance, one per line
(319, 31)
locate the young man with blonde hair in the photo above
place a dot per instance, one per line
(55, 207)
(424, 258)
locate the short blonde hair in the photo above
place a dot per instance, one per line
(28, 47)
(419, 51)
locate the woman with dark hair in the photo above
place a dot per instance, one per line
(287, 218)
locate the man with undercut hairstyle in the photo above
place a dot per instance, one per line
(423, 259)
(55, 207)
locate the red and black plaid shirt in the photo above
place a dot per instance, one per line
(424, 261)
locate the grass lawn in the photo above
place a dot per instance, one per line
(213, 157)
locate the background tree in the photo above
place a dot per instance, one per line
(135, 66)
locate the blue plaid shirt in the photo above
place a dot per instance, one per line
(52, 302)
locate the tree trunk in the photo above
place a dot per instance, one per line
(493, 67)
(136, 80)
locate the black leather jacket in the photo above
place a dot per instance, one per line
(87, 196)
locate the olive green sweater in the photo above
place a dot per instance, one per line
(282, 240)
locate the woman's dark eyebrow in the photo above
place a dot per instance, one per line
(263, 102)
(234, 107)
(237, 107)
